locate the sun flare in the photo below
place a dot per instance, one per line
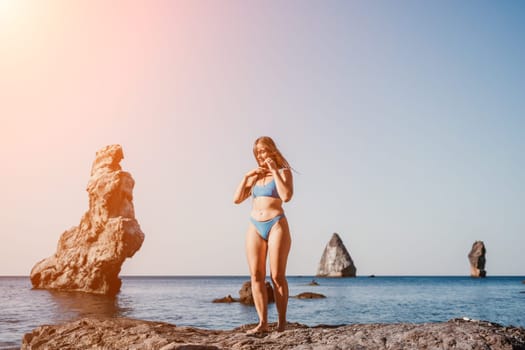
(9, 11)
(6, 6)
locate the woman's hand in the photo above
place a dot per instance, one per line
(270, 163)
(249, 179)
(255, 172)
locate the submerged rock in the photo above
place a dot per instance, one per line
(89, 256)
(124, 333)
(477, 259)
(336, 261)
(310, 295)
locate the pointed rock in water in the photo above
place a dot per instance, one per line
(336, 261)
(90, 255)
(477, 260)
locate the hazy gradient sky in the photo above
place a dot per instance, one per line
(404, 119)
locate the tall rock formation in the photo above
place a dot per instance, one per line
(477, 260)
(90, 255)
(336, 261)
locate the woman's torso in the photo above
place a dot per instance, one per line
(265, 207)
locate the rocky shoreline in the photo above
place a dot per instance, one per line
(126, 333)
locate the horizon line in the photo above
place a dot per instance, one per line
(297, 275)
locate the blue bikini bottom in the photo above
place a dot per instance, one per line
(264, 227)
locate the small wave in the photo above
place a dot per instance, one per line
(9, 321)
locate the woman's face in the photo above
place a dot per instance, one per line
(261, 154)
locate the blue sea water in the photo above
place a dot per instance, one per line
(187, 301)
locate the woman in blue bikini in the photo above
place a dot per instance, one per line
(270, 184)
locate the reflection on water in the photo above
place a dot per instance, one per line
(22, 308)
(75, 305)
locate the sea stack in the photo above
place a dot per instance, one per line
(336, 261)
(89, 256)
(477, 260)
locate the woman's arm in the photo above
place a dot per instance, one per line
(243, 190)
(283, 181)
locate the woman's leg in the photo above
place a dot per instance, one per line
(256, 250)
(279, 243)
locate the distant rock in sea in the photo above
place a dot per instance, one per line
(336, 261)
(89, 256)
(227, 299)
(477, 259)
(309, 295)
(246, 296)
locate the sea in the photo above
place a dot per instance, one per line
(187, 301)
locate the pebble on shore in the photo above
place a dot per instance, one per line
(125, 333)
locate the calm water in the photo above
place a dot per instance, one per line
(187, 301)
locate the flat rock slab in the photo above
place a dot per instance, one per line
(125, 333)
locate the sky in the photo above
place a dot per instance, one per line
(404, 121)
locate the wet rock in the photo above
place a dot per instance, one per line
(336, 261)
(246, 297)
(310, 295)
(89, 256)
(124, 333)
(226, 299)
(477, 259)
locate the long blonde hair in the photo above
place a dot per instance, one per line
(267, 142)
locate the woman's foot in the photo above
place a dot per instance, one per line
(261, 328)
(281, 327)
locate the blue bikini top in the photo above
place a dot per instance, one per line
(268, 190)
